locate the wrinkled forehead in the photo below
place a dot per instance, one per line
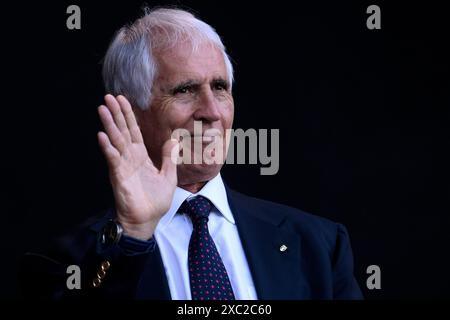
(184, 62)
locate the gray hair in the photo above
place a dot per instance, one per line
(130, 66)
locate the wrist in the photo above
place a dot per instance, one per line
(142, 231)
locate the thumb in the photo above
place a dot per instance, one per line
(170, 159)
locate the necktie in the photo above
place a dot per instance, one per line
(207, 274)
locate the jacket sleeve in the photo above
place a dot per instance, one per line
(114, 272)
(344, 282)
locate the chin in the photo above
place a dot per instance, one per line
(196, 173)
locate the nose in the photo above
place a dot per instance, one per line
(208, 107)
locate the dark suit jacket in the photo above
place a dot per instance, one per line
(317, 263)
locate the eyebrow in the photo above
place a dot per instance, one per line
(196, 83)
(187, 83)
(221, 81)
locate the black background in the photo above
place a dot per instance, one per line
(363, 118)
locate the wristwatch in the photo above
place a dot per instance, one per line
(112, 232)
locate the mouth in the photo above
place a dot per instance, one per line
(206, 138)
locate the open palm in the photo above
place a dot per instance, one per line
(142, 192)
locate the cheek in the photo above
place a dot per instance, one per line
(174, 115)
(228, 112)
(149, 125)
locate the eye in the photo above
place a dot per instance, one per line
(220, 85)
(182, 90)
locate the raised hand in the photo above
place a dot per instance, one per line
(142, 192)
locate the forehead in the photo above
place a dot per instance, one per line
(182, 63)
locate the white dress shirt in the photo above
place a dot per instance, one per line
(174, 232)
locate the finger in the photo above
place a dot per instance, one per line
(130, 118)
(170, 155)
(111, 154)
(114, 134)
(119, 119)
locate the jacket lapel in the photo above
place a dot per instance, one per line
(272, 249)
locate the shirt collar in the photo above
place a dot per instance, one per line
(214, 190)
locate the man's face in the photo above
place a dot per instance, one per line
(189, 87)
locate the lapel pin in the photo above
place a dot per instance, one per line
(283, 248)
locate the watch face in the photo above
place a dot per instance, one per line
(109, 235)
(112, 231)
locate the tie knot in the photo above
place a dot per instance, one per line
(197, 208)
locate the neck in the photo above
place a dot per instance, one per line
(193, 187)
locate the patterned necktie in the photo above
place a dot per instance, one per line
(207, 274)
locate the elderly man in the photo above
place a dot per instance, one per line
(176, 230)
